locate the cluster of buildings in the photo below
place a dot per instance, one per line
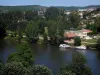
(83, 34)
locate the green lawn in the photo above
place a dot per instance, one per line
(89, 41)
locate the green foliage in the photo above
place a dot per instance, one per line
(13, 68)
(97, 21)
(2, 32)
(92, 27)
(40, 70)
(80, 69)
(74, 20)
(98, 44)
(24, 55)
(1, 65)
(30, 15)
(52, 13)
(77, 41)
(52, 27)
(78, 58)
(65, 72)
(77, 67)
(32, 29)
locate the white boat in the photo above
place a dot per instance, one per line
(64, 46)
(81, 47)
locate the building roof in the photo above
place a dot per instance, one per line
(86, 30)
(70, 34)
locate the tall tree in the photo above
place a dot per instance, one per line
(31, 15)
(74, 20)
(52, 13)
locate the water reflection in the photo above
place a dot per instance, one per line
(98, 55)
(52, 56)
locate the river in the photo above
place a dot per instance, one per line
(52, 56)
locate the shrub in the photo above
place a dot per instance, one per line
(77, 41)
(1, 65)
(40, 70)
(78, 58)
(24, 55)
(13, 68)
(63, 71)
(98, 44)
(76, 67)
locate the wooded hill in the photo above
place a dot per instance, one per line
(38, 7)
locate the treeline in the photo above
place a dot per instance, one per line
(52, 23)
(49, 25)
(22, 63)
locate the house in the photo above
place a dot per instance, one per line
(69, 37)
(83, 34)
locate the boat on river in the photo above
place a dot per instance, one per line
(81, 47)
(64, 46)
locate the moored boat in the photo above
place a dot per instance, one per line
(81, 47)
(64, 46)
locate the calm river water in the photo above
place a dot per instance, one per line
(52, 56)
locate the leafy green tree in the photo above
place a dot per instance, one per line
(65, 72)
(40, 70)
(24, 55)
(78, 57)
(97, 22)
(77, 66)
(42, 25)
(2, 33)
(1, 66)
(52, 13)
(74, 20)
(77, 41)
(98, 44)
(52, 27)
(92, 27)
(31, 15)
(21, 25)
(32, 30)
(13, 68)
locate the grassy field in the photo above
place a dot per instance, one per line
(90, 41)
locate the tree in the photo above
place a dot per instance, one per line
(1, 65)
(13, 68)
(74, 20)
(78, 58)
(42, 25)
(52, 27)
(32, 31)
(24, 55)
(52, 13)
(21, 25)
(65, 72)
(31, 15)
(76, 67)
(98, 44)
(40, 70)
(2, 32)
(77, 41)
(92, 27)
(97, 22)
(2, 26)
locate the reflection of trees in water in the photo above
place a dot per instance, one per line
(57, 56)
(98, 54)
(2, 44)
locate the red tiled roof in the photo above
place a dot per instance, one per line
(70, 34)
(86, 30)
